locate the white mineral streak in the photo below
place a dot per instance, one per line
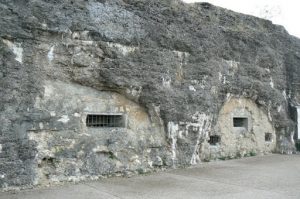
(214, 90)
(269, 111)
(182, 60)
(64, 119)
(125, 50)
(220, 76)
(166, 82)
(298, 123)
(192, 88)
(284, 94)
(202, 124)
(279, 108)
(48, 91)
(228, 96)
(16, 49)
(203, 81)
(182, 56)
(224, 79)
(271, 82)
(233, 64)
(77, 115)
(50, 54)
(44, 25)
(41, 139)
(41, 125)
(172, 134)
(75, 35)
(242, 105)
(231, 67)
(52, 113)
(134, 91)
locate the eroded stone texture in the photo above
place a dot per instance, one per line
(69, 150)
(248, 139)
(171, 68)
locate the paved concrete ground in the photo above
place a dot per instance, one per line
(273, 176)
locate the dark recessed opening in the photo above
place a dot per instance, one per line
(268, 137)
(93, 120)
(240, 122)
(214, 139)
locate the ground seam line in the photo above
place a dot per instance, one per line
(93, 187)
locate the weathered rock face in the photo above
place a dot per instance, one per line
(69, 150)
(190, 82)
(243, 127)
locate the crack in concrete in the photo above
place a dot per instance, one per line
(95, 188)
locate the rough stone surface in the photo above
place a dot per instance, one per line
(271, 176)
(243, 141)
(169, 66)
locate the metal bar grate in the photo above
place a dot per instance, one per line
(104, 120)
(214, 139)
(268, 137)
(240, 122)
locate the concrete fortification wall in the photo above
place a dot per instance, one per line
(107, 88)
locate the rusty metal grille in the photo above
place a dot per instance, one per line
(104, 120)
(268, 137)
(214, 139)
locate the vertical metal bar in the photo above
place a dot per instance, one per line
(111, 118)
(104, 120)
(97, 121)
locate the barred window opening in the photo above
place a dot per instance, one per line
(240, 122)
(99, 120)
(268, 137)
(214, 139)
